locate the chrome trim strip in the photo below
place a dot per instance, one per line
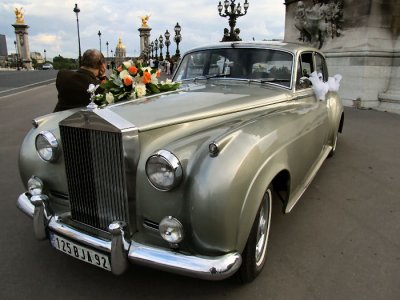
(210, 268)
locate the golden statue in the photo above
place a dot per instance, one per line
(19, 15)
(145, 19)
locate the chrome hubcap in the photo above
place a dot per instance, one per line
(263, 228)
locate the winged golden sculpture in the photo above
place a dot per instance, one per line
(19, 16)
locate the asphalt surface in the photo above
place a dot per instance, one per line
(341, 241)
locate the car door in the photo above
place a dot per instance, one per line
(312, 120)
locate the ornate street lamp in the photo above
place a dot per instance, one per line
(232, 11)
(108, 66)
(44, 55)
(99, 34)
(17, 54)
(167, 43)
(161, 45)
(177, 39)
(156, 47)
(76, 11)
(152, 48)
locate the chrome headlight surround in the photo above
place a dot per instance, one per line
(164, 170)
(47, 146)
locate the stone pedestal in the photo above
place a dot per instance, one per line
(144, 38)
(365, 51)
(21, 36)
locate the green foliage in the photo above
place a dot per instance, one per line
(61, 63)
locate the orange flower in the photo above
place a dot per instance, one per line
(133, 70)
(146, 77)
(119, 69)
(128, 80)
(158, 73)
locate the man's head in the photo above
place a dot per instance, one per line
(93, 59)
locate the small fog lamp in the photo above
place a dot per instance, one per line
(35, 186)
(171, 230)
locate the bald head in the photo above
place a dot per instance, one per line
(93, 59)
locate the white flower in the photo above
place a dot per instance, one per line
(147, 69)
(92, 88)
(123, 74)
(140, 89)
(154, 79)
(167, 81)
(128, 63)
(109, 98)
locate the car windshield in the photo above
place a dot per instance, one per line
(264, 65)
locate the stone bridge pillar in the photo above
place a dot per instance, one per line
(360, 40)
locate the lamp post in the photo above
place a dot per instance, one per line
(167, 43)
(156, 47)
(152, 49)
(232, 11)
(99, 34)
(17, 54)
(178, 39)
(76, 11)
(44, 55)
(161, 45)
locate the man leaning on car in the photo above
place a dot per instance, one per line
(72, 85)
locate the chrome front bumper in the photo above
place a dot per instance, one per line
(122, 251)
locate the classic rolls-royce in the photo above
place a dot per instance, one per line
(183, 180)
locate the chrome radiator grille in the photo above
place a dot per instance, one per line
(96, 176)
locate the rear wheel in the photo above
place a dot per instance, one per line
(254, 254)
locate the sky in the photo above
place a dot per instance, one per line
(52, 23)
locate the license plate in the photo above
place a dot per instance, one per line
(80, 252)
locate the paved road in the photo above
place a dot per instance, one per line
(16, 81)
(341, 241)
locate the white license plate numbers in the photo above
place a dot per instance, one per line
(88, 255)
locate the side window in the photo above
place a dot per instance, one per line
(320, 65)
(304, 69)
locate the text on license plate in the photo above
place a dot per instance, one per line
(88, 255)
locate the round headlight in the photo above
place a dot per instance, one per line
(47, 146)
(164, 170)
(35, 186)
(171, 230)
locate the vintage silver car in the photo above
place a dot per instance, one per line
(183, 181)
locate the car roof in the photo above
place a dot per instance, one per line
(278, 45)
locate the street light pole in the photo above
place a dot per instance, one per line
(178, 39)
(76, 11)
(99, 34)
(156, 47)
(167, 43)
(17, 54)
(161, 40)
(44, 55)
(232, 11)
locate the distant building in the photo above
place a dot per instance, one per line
(120, 52)
(3, 49)
(38, 57)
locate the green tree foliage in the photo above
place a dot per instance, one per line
(62, 63)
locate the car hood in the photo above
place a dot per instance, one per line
(197, 101)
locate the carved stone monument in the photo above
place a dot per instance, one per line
(360, 40)
(21, 37)
(144, 31)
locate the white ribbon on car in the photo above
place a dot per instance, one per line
(321, 88)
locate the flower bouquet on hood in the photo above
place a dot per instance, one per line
(131, 80)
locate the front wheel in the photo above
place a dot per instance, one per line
(254, 253)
